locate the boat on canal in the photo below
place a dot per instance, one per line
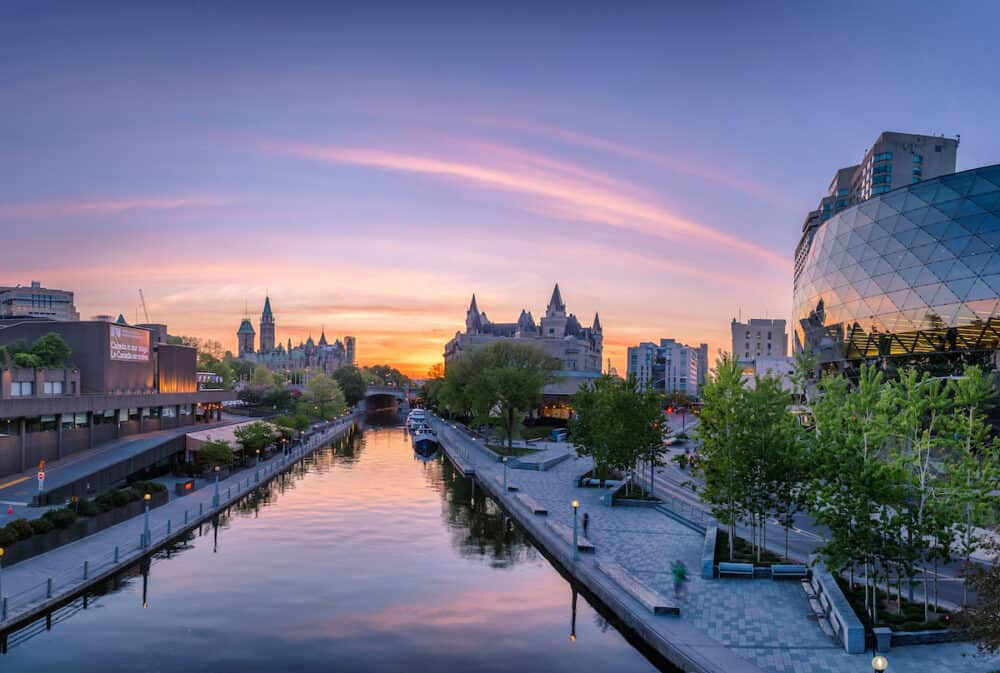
(425, 441)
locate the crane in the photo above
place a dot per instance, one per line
(145, 311)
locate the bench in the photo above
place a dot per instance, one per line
(510, 485)
(745, 569)
(793, 570)
(650, 599)
(566, 533)
(530, 503)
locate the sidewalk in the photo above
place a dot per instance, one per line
(25, 586)
(730, 625)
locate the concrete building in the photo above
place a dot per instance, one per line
(308, 355)
(559, 333)
(668, 367)
(759, 337)
(703, 366)
(36, 301)
(121, 383)
(781, 368)
(894, 160)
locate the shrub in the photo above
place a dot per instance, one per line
(21, 528)
(41, 526)
(148, 486)
(87, 507)
(60, 518)
(105, 501)
(7, 536)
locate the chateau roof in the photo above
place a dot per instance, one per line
(245, 327)
(267, 308)
(597, 323)
(556, 302)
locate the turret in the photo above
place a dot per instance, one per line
(266, 327)
(245, 337)
(554, 322)
(473, 319)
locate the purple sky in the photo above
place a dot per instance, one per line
(373, 166)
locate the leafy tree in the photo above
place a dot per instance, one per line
(326, 396)
(263, 377)
(983, 618)
(385, 375)
(51, 351)
(215, 452)
(277, 398)
(617, 425)
(351, 383)
(27, 360)
(243, 370)
(255, 436)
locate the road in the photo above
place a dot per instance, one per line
(680, 489)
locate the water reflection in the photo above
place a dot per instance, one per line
(359, 555)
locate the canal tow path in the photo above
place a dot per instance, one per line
(725, 625)
(38, 584)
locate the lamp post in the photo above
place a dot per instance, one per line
(215, 498)
(879, 663)
(576, 549)
(504, 474)
(1, 574)
(284, 446)
(256, 476)
(146, 537)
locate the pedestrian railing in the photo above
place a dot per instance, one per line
(126, 548)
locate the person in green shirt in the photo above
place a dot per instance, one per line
(680, 574)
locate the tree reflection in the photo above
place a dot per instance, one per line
(480, 528)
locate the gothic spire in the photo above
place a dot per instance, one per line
(267, 315)
(556, 302)
(597, 323)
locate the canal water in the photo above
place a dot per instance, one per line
(363, 558)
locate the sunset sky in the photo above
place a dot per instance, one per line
(373, 167)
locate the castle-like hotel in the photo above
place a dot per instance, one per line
(323, 355)
(579, 348)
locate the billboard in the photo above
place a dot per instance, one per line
(129, 344)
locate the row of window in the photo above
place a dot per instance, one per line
(917, 158)
(27, 388)
(882, 156)
(881, 189)
(883, 179)
(883, 168)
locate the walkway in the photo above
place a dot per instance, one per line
(26, 586)
(726, 625)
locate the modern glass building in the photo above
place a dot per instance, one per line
(914, 271)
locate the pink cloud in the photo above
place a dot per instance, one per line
(106, 206)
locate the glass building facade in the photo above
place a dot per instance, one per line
(913, 271)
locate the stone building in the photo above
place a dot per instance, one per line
(559, 333)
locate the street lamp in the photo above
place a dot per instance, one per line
(146, 537)
(257, 473)
(1, 574)
(215, 498)
(576, 549)
(504, 459)
(879, 663)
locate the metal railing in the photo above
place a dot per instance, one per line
(127, 548)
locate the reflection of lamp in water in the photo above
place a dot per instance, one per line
(576, 550)
(145, 585)
(572, 624)
(215, 534)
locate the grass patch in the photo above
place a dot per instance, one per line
(633, 491)
(742, 552)
(513, 452)
(537, 432)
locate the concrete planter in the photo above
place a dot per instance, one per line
(81, 528)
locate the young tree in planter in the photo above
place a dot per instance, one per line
(617, 425)
(255, 436)
(324, 392)
(215, 452)
(722, 431)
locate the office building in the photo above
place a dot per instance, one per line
(759, 337)
(669, 366)
(35, 301)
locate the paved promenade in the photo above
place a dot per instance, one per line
(726, 625)
(26, 586)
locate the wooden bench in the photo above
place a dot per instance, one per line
(566, 533)
(650, 599)
(510, 485)
(793, 570)
(530, 503)
(744, 569)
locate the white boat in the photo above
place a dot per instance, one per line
(425, 441)
(416, 417)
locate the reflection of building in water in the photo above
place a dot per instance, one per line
(909, 272)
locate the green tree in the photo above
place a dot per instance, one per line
(351, 383)
(262, 377)
(215, 452)
(51, 351)
(27, 360)
(505, 380)
(617, 425)
(326, 396)
(255, 436)
(983, 618)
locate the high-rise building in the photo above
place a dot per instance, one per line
(267, 328)
(668, 367)
(702, 366)
(36, 301)
(894, 160)
(759, 337)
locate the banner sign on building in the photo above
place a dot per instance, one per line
(129, 344)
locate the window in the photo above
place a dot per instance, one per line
(881, 179)
(882, 156)
(21, 389)
(880, 189)
(53, 388)
(918, 158)
(937, 148)
(884, 168)
(843, 192)
(841, 203)
(916, 179)
(768, 336)
(916, 170)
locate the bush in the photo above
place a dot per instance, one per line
(60, 518)
(21, 528)
(87, 507)
(7, 536)
(148, 486)
(41, 526)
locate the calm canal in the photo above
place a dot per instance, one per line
(362, 559)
